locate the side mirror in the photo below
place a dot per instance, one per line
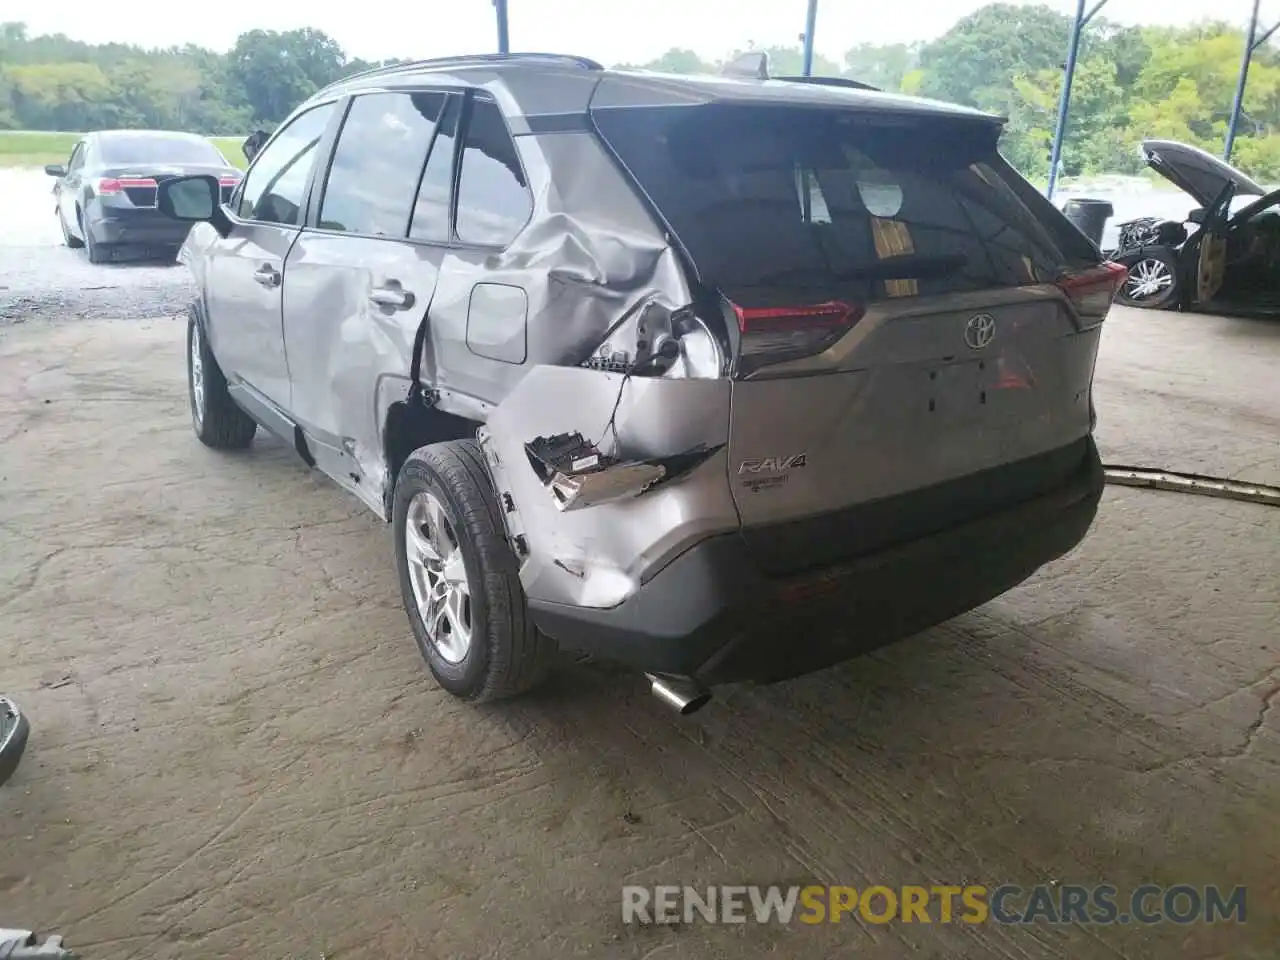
(13, 737)
(1196, 216)
(55, 170)
(252, 145)
(191, 199)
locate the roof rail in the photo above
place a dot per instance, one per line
(831, 82)
(474, 59)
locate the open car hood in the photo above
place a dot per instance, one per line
(1199, 174)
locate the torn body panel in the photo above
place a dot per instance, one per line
(590, 253)
(599, 555)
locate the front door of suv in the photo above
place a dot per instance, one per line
(245, 270)
(361, 277)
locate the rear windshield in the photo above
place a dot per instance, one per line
(120, 149)
(767, 197)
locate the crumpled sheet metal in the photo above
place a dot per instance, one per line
(590, 254)
(599, 555)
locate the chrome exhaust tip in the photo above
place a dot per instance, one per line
(681, 694)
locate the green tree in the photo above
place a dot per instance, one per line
(974, 62)
(277, 71)
(885, 66)
(1006, 58)
(675, 60)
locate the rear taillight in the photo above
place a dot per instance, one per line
(775, 334)
(228, 181)
(109, 185)
(1091, 291)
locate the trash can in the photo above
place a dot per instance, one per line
(1089, 216)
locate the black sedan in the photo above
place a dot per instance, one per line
(106, 192)
(1224, 256)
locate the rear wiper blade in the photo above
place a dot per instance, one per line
(910, 267)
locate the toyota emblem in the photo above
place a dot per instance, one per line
(980, 331)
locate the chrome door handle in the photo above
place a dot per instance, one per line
(392, 295)
(267, 275)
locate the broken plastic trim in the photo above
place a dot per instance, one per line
(579, 475)
(654, 340)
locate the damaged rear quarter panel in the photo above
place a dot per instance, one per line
(599, 555)
(589, 253)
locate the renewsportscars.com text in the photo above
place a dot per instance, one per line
(1006, 904)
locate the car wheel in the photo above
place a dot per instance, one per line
(216, 419)
(75, 243)
(1153, 280)
(98, 252)
(459, 580)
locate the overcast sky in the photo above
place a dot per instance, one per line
(608, 30)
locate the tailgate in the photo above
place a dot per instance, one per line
(878, 447)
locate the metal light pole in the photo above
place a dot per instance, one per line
(1068, 74)
(504, 39)
(1238, 102)
(1251, 44)
(811, 22)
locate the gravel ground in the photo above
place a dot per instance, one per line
(42, 281)
(237, 751)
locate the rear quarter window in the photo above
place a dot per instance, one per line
(494, 202)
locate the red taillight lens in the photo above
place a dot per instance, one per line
(1093, 290)
(774, 334)
(228, 181)
(109, 185)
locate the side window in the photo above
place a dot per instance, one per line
(381, 150)
(274, 189)
(431, 209)
(494, 202)
(77, 158)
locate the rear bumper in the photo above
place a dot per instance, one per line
(143, 227)
(713, 614)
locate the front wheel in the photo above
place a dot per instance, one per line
(1153, 280)
(75, 243)
(459, 579)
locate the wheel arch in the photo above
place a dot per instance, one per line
(408, 424)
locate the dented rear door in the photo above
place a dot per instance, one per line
(361, 278)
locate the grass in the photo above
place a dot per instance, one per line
(35, 148)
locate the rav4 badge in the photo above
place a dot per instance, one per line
(772, 464)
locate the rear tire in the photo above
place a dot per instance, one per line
(445, 516)
(98, 252)
(216, 419)
(1153, 282)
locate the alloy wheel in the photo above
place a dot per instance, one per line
(438, 576)
(1148, 278)
(197, 375)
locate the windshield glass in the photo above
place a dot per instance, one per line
(809, 197)
(126, 148)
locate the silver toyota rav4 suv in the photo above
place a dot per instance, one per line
(725, 378)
